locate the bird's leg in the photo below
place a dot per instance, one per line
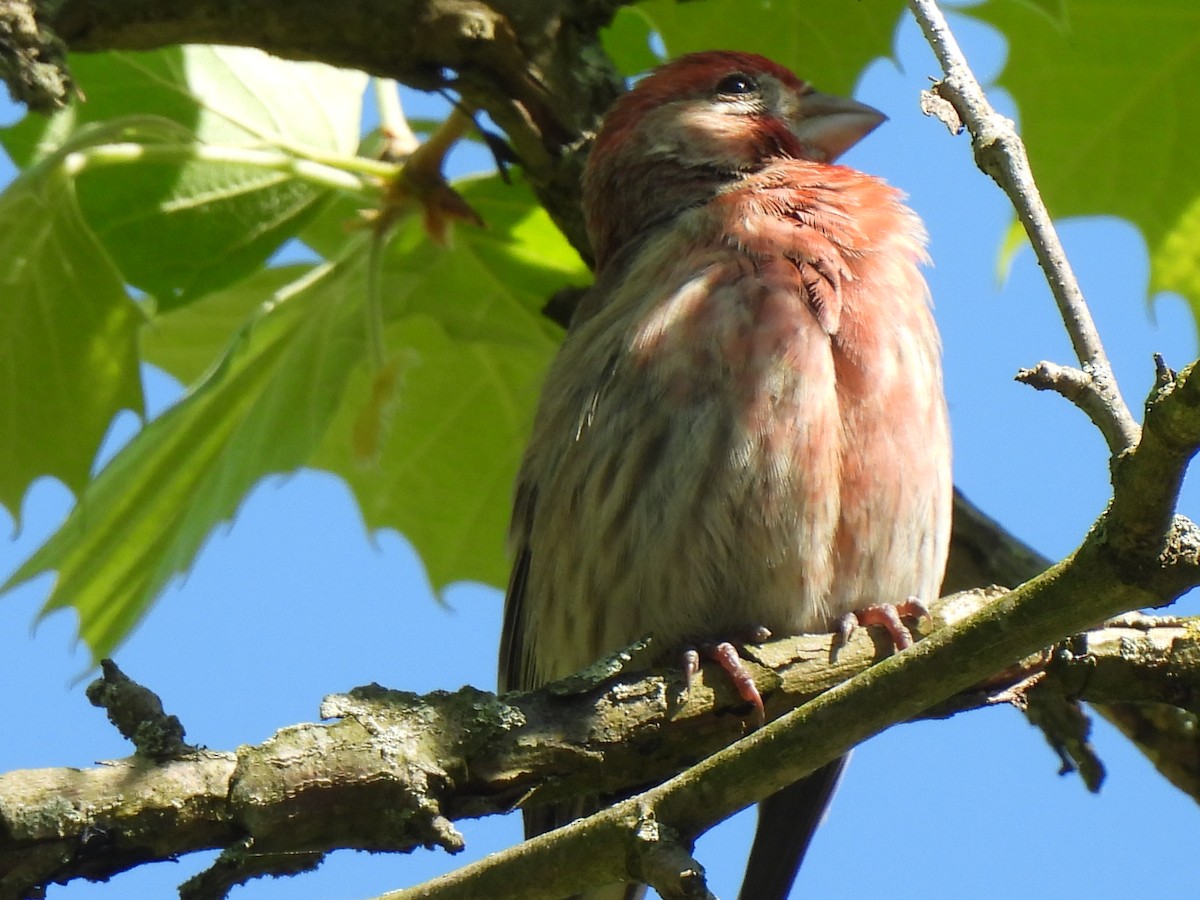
(889, 616)
(725, 655)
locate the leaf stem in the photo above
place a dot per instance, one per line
(354, 175)
(373, 308)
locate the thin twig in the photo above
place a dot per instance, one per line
(1077, 386)
(1000, 153)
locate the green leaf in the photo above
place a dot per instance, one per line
(68, 339)
(224, 95)
(628, 40)
(188, 341)
(1054, 10)
(827, 42)
(450, 443)
(178, 227)
(1111, 118)
(469, 347)
(181, 231)
(492, 284)
(340, 215)
(146, 514)
(443, 422)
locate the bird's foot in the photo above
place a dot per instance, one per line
(725, 655)
(889, 616)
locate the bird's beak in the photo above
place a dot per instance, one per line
(831, 125)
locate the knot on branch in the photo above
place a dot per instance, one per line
(661, 859)
(935, 105)
(137, 712)
(390, 764)
(1182, 547)
(958, 102)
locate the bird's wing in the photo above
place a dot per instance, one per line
(515, 669)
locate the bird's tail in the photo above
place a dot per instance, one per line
(786, 822)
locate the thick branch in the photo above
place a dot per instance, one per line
(392, 771)
(396, 767)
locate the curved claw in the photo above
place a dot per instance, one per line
(725, 655)
(887, 615)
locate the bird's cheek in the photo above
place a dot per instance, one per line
(713, 139)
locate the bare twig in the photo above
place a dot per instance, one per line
(1080, 388)
(1000, 153)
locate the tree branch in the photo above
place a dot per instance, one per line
(959, 101)
(32, 58)
(1000, 153)
(587, 851)
(396, 768)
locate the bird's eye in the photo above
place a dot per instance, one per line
(737, 85)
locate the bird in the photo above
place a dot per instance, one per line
(745, 426)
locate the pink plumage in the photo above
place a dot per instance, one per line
(745, 425)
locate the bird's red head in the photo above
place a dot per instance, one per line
(695, 125)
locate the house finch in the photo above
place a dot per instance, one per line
(745, 425)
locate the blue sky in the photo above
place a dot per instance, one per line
(295, 600)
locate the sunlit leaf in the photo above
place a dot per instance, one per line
(827, 42)
(1111, 117)
(470, 348)
(146, 514)
(181, 227)
(68, 340)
